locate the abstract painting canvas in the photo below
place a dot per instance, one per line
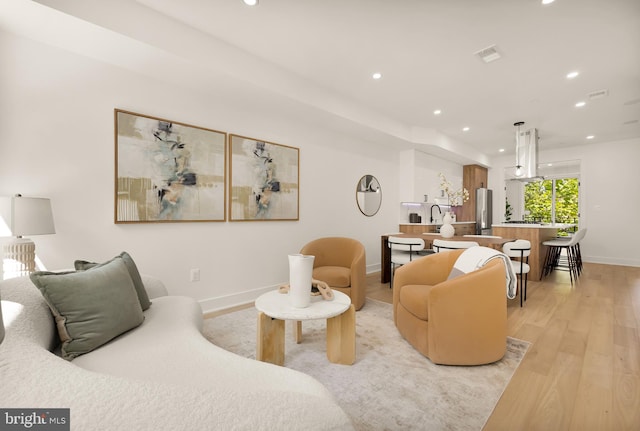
(264, 180)
(168, 171)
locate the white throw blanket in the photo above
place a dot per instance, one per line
(476, 257)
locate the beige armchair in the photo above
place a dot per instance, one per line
(340, 262)
(457, 321)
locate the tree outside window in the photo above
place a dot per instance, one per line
(540, 203)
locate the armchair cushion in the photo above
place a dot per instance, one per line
(335, 276)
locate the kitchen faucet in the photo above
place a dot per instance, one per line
(431, 211)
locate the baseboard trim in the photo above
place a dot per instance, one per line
(212, 305)
(611, 261)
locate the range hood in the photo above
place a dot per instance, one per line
(527, 157)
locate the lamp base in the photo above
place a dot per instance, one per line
(19, 258)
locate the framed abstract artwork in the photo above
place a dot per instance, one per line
(168, 171)
(263, 180)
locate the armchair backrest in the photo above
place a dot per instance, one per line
(334, 251)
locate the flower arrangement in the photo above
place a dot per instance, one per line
(454, 198)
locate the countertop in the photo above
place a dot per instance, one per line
(435, 224)
(535, 225)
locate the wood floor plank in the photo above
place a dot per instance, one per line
(594, 401)
(626, 402)
(555, 402)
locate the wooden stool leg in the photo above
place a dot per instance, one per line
(270, 343)
(341, 337)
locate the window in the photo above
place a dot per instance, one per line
(553, 200)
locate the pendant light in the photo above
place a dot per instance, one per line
(518, 165)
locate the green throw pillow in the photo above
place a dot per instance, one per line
(90, 307)
(82, 265)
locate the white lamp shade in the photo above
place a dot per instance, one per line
(22, 216)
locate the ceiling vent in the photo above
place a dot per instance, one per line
(488, 54)
(598, 94)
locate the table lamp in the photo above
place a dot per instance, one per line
(20, 216)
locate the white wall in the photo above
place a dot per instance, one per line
(56, 118)
(609, 197)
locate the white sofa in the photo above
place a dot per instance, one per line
(162, 375)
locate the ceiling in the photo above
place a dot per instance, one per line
(322, 54)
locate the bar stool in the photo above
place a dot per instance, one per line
(573, 260)
(403, 250)
(521, 249)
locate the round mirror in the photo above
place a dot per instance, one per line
(368, 195)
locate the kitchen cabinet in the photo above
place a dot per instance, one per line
(473, 177)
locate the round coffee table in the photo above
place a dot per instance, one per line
(275, 308)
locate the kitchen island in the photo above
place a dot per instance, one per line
(536, 233)
(428, 237)
(461, 227)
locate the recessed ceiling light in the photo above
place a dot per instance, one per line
(547, 1)
(437, 112)
(377, 75)
(572, 75)
(580, 104)
(250, 2)
(590, 137)
(465, 129)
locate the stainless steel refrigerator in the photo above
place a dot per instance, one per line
(484, 214)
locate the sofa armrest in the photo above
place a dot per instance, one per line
(154, 287)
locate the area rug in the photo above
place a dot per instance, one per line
(390, 386)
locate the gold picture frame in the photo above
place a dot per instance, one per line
(167, 171)
(264, 180)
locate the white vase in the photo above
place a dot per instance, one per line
(300, 275)
(447, 230)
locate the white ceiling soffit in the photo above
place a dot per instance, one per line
(319, 56)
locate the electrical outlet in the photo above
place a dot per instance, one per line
(195, 274)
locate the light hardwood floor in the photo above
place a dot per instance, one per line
(582, 370)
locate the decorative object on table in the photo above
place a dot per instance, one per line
(368, 195)
(454, 199)
(168, 171)
(300, 276)
(21, 216)
(318, 288)
(447, 230)
(264, 180)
